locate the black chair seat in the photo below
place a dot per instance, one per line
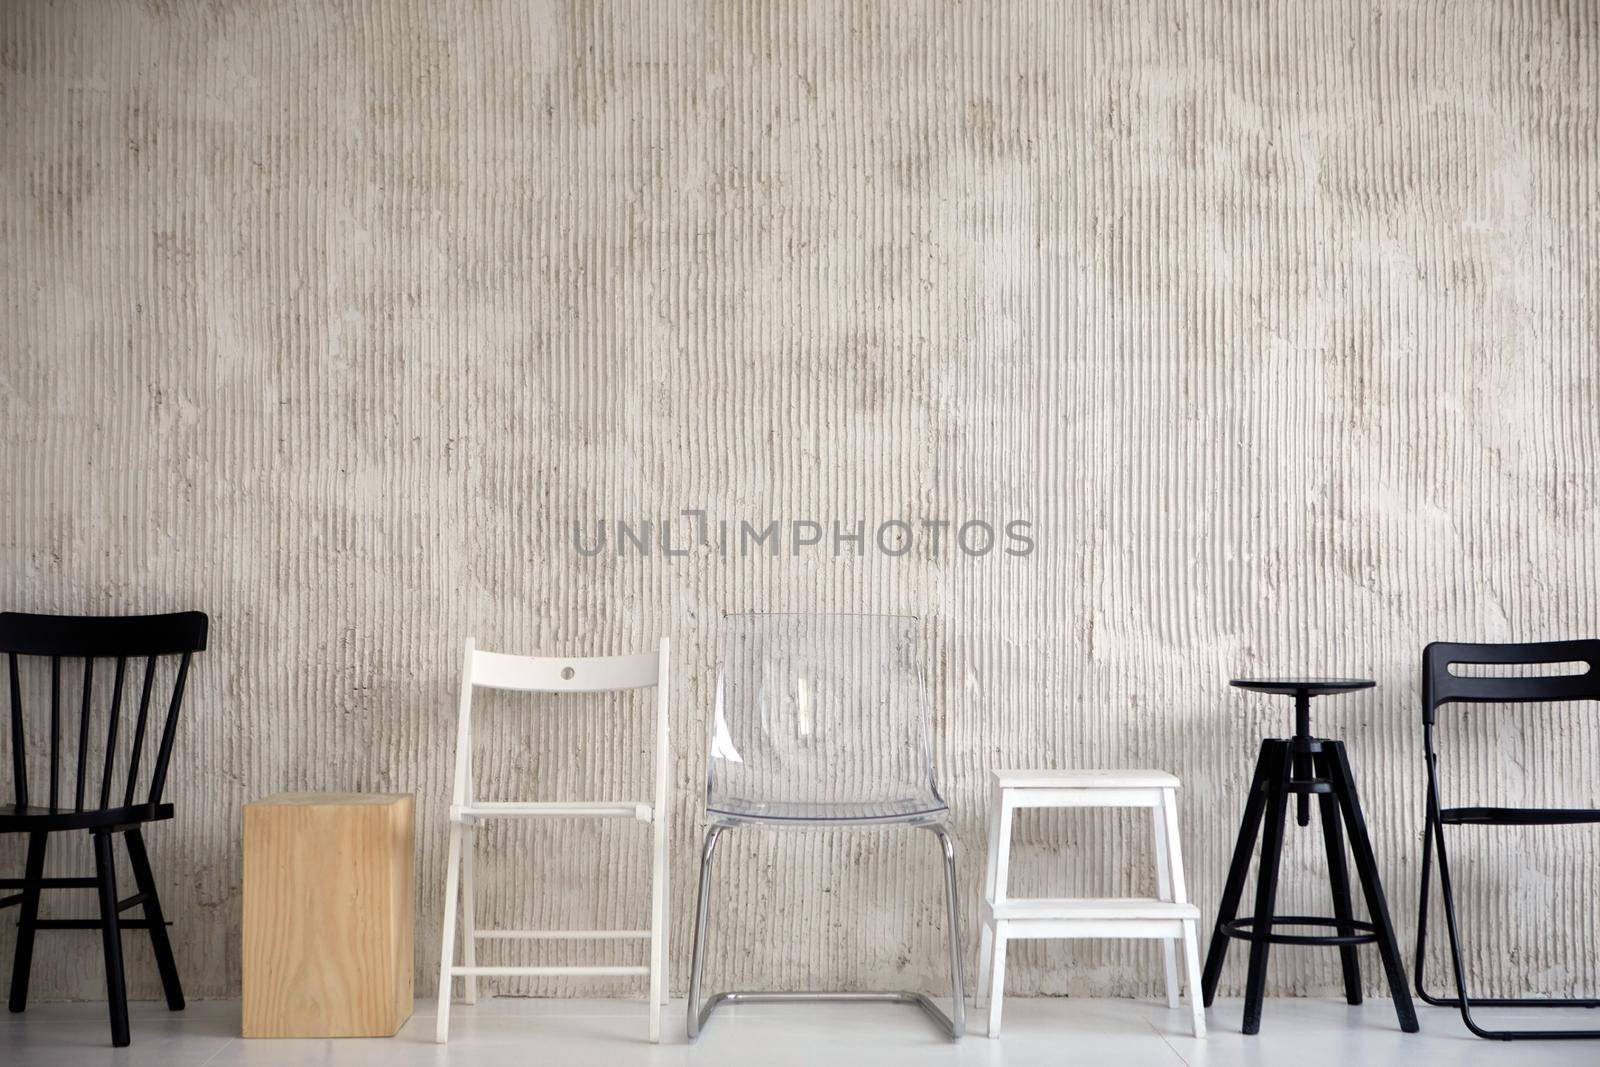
(15, 820)
(1517, 816)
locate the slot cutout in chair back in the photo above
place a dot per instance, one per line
(1553, 671)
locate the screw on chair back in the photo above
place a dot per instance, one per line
(84, 785)
(822, 718)
(1519, 681)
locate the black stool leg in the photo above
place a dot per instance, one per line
(22, 959)
(146, 883)
(1339, 881)
(1238, 870)
(1371, 886)
(111, 936)
(1255, 988)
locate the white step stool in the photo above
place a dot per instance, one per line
(1170, 917)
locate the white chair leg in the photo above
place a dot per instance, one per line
(1191, 958)
(658, 923)
(666, 914)
(997, 979)
(1169, 947)
(469, 907)
(441, 1032)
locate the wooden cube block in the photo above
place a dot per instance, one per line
(327, 915)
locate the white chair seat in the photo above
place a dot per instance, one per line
(1086, 779)
(1090, 908)
(596, 809)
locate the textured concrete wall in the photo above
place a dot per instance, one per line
(1277, 320)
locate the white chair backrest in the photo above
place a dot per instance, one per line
(570, 674)
(560, 674)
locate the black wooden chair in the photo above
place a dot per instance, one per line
(1440, 687)
(98, 811)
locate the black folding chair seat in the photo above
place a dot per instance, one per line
(1440, 686)
(1517, 816)
(103, 813)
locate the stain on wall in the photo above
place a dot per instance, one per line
(1278, 323)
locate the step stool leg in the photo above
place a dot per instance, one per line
(997, 978)
(1191, 959)
(1169, 947)
(985, 955)
(998, 858)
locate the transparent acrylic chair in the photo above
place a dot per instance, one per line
(823, 721)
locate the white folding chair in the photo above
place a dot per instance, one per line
(545, 674)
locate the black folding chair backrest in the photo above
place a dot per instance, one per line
(88, 637)
(1440, 686)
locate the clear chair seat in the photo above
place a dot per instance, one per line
(917, 811)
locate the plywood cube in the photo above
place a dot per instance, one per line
(327, 915)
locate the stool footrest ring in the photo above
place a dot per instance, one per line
(1245, 930)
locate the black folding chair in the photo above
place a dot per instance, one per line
(1440, 687)
(59, 637)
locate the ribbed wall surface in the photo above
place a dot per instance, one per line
(1278, 321)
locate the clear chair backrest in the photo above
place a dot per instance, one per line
(822, 716)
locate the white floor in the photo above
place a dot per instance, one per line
(1096, 1033)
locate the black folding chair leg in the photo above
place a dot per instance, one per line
(146, 883)
(22, 959)
(111, 937)
(1462, 1001)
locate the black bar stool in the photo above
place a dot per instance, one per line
(1304, 765)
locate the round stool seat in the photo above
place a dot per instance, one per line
(1309, 687)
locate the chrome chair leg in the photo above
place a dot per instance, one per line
(954, 1025)
(701, 915)
(957, 1023)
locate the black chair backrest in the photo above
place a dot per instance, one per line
(1440, 686)
(89, 637)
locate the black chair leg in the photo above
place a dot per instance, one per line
(111, 936)
(1422, 909)
(1339, 881)
(1255, 988)
(1238, 871)
(1371, 885)
(139, 859)
(22, 959)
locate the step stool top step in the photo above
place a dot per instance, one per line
(1086, 779)
(1091, 908)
